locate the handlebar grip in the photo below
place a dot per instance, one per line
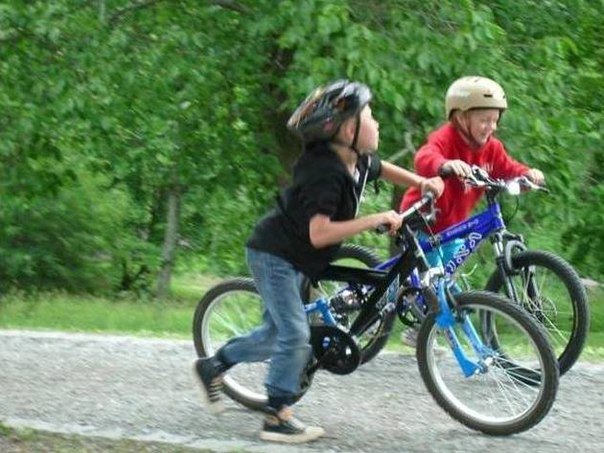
(540, 187)
(528, 183)
(383, 228)
(445, 172)
(426, 199)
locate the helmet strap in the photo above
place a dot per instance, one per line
(352, 146)
(357, 130)
(461, 122)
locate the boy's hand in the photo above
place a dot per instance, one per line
(536, 176)
(456, 167)
(390, 218)
(435, 185)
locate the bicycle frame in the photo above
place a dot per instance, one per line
(473, 230)
(384, 299)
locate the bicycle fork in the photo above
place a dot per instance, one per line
(446, 320)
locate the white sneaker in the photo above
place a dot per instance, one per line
(283, 427)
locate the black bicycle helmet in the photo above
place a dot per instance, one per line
(322, 113)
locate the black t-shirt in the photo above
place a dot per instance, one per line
(321, 185)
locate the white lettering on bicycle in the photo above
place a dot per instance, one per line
(389, 298)
(463, 251)
(466, 226)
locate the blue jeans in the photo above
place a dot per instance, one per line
(284, 335)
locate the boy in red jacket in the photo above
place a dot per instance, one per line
(474, 106)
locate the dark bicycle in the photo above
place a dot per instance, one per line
(499, 388)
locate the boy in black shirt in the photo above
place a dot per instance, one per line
(314, 215)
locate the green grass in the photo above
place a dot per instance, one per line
(592, 352)
(143, 316)
(596, 305)
(173, 318)
(88, 314)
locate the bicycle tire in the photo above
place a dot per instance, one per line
(376, 338)
(445, 385)
(567, 330)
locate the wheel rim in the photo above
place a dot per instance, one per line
(497, 397)
(542, 294)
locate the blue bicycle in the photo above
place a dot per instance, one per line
(497, 387)
(544, 284)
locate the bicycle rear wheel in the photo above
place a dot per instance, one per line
(550, 290)
(518, 381)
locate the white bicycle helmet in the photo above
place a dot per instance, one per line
(474, 92)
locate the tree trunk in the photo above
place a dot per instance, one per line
(169, 246)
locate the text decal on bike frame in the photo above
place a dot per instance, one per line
(461, 254)
(388, 300)
(473, 231)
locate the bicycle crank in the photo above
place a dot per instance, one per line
(335, 350)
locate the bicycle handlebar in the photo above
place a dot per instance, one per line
(526, 183)
(480, 178)
(415, 209)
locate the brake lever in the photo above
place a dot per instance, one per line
(526, 182)
(473, 181)
(478, 172)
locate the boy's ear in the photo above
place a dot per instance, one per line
(348, 128)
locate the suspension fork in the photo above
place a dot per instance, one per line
(517, 244)
(504, 246)
(448, 316)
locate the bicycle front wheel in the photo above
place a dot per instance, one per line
(550, 290)
(514, 385)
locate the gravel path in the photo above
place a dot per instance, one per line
(125, 387)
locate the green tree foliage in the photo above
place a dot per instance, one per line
(113, 111)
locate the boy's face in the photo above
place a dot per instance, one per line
(369, 132)
(482, 124)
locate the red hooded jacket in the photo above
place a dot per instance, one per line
(458, 199)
